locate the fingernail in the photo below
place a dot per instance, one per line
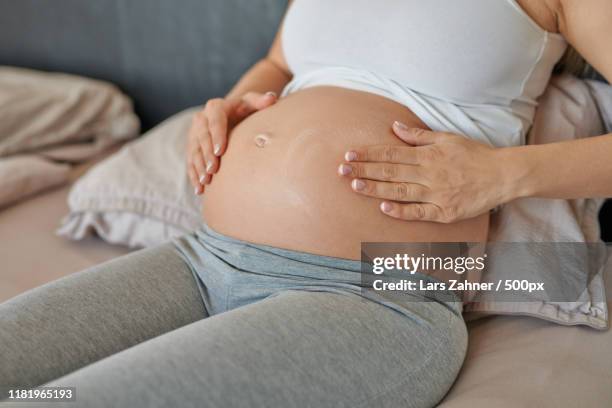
(209, 167)
(217, 150)
(197, 190)
(399, 125)
(386, 207)
(202, 179)
(271, 94)
(345, 170)
(350, 156)
(358, 185)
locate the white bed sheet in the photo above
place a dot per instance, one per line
(517, 361)
(30, 252)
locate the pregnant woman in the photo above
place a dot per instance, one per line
(389, 115)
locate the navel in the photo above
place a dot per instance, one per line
(261, 140)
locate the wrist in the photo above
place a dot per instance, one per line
(518, 165)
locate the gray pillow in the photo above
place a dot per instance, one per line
(140, 196)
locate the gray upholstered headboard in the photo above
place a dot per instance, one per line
(166, 54)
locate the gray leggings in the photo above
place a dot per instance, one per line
(208, 321)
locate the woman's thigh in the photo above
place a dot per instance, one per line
(293, 349)
(55, 329)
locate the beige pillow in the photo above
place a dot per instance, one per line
(567, 111)
(24, 175)
(51, 110)
(140, 196)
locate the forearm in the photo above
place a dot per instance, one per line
(264, 76)
(575, 169)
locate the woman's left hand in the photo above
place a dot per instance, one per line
(439, 177)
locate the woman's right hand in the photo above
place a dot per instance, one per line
(207, 138)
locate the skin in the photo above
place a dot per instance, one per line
(446, 178)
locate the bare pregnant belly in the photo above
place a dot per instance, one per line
(278, 183)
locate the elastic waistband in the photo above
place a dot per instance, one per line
(262, 259)
(274, 262)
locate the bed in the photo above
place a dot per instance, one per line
(32, 254)
(512, 361)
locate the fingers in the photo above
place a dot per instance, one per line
(200, 167)
(216, 116)
(416, 136)
(391, 191)
(205, 144)
(200, 159)
(208, 135)
(197, 172)
(200, 183)
(382, 172)
(193, 178)
(383, 153)
(219, 112)
(424, 150)
(254, 101)
(414, 211)
(257, 101)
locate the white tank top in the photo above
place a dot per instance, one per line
(472, 67)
